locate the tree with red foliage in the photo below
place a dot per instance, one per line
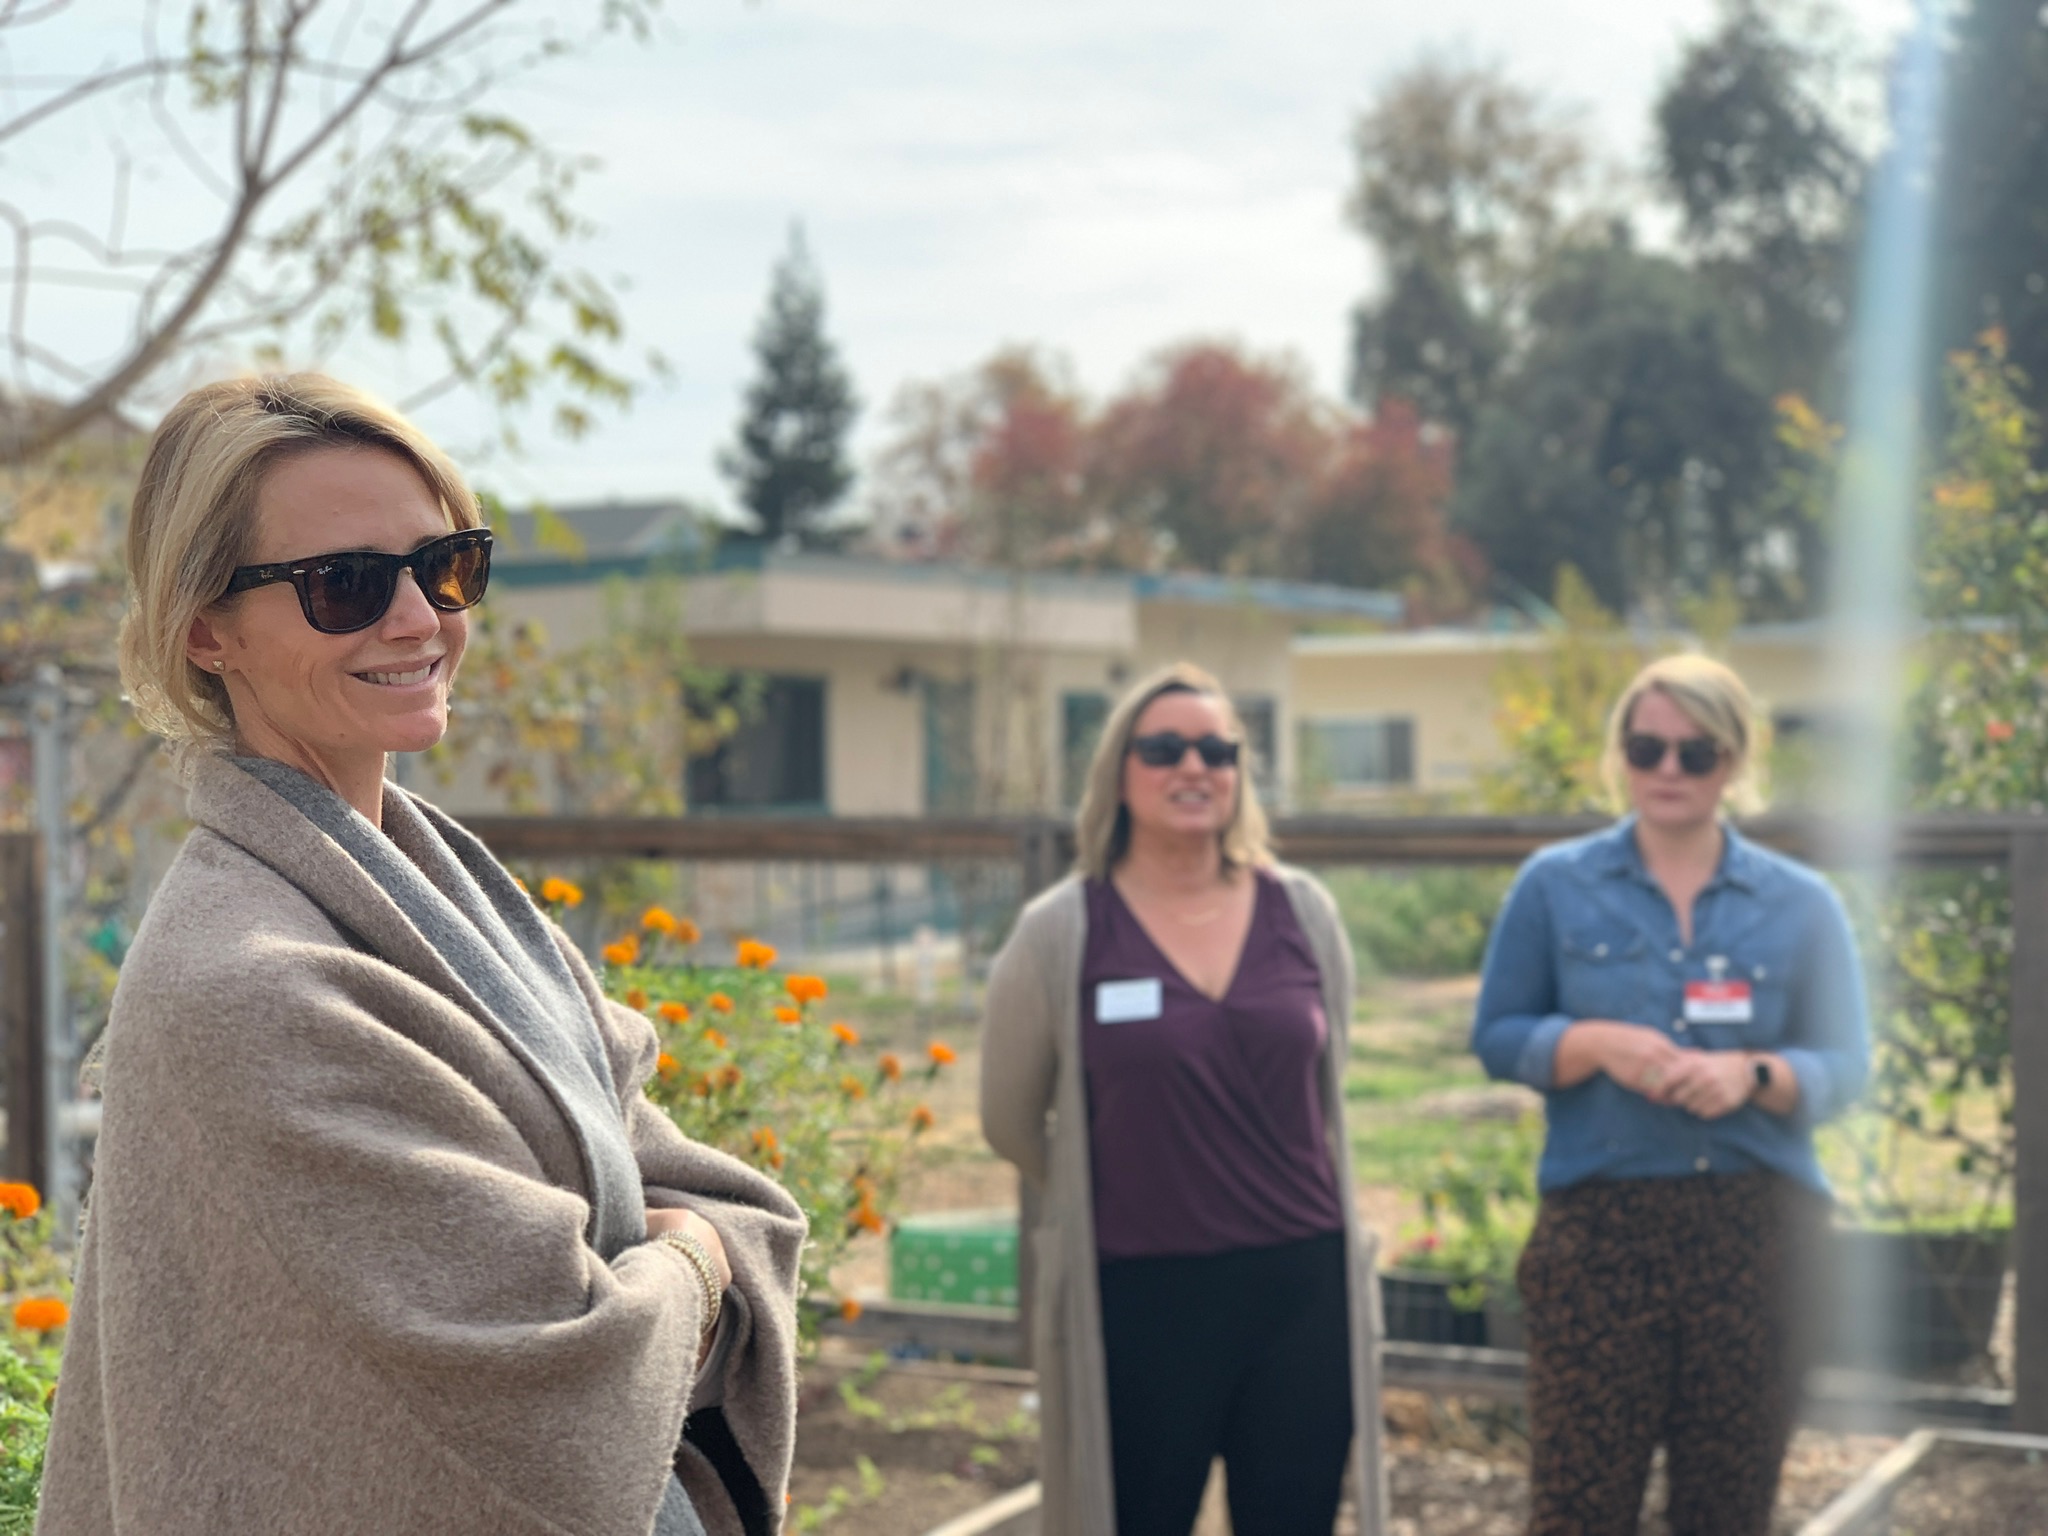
(1219, 451)
(1380, 517)
(987, 466)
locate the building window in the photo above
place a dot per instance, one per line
(1081, 720)
(1376, 753)
(775, 758)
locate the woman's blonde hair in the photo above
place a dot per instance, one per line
(1713, 698)
(194, 520)
(1102, 830)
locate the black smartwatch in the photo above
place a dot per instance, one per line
(1760, 1075)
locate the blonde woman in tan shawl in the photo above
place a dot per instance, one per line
(384, 1236)
(1163, 1057)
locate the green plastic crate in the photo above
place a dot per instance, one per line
(963, 1258)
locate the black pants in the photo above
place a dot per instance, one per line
(1664, 1310)
(1242, 1355)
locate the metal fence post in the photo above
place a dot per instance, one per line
(2028, 872)
(21, 1009)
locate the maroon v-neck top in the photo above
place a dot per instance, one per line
(1206, 1123)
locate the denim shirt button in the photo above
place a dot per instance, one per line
(1600, 951)
(1678, 1026)
(1700, 1163)
(1678, 955)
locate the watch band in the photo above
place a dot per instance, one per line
(1760, 1075)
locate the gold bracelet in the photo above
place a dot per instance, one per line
(699, 1256)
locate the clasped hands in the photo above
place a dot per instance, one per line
(1709, 1084)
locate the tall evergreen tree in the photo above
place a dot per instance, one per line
(789, 463)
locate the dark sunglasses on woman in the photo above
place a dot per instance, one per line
(342, 593)
(1165, 749)
(1698, 756)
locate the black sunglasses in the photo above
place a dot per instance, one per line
(1698, 756)
(343, 593)
(1165, 749)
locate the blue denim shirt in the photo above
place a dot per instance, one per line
(1586, 934)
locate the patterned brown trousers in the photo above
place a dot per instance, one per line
(1664, 1311)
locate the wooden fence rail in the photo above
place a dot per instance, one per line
(1042, 849)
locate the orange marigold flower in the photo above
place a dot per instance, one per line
(922, 1119)
(754, 955)
(41, 1313)
(764, 1138)
(675, 1013)
(667, 1065)
(658, 920)
(849, 1309)
(775, 1160)
(20, 1200)
(729, 1076)
(890, 1066)
(715, 1040)
(806, 989)
(853, 1087)
(686, 932)
(1998, 730)
(864, 1187)
(636, 999)
(718, 1002)
(865, 1215)
(942, 1054)
(556, 889)
(845, 1033)
(624, 952)
(787, 1014)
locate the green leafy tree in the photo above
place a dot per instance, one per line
(1466, 185)
(1633, 440)
(1753, 148)
(1990, 252)
(788, 463)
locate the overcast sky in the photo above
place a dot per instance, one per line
(1102, 177)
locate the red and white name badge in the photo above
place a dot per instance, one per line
(1717, 1002)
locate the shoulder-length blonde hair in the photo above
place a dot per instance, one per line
(1102, 829)
(194, 520)
(1714, 698)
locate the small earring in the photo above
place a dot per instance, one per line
(220, 666)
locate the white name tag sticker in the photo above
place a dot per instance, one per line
(1718, 1002)
(1126, 1002)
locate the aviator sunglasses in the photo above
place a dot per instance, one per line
(1697, 755)
(1165, 749)
(342, 593)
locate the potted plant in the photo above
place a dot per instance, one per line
(1478, 1205)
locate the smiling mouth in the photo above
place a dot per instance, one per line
(404, 679)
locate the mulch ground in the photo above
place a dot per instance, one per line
(896, 1451)
(1967, 1491)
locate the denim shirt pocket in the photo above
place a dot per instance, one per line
(1603, 974)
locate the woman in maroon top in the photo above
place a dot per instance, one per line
(1218, 1203)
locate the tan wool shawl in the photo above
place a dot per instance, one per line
(1033, 1111)
(336, 1276)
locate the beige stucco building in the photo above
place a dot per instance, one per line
(1387, 718)
(883, 688)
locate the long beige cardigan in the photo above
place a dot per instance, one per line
(335, 1280)
(1033, 1111)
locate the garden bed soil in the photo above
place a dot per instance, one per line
(943, 1440)
(1970, 1490)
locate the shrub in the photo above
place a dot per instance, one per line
(1478, 1206)
(751, 1064)
(1427, 922)
(37, 1304)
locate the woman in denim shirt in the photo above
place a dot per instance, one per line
(1690, 1005)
